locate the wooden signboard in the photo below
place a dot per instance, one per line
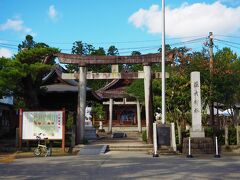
(50, 124)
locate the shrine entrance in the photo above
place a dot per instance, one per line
(83, 75)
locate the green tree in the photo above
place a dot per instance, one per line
(22, 75)
(112, 51)
(136, 89)
(27, 43)
(79, 48)
(226, 76)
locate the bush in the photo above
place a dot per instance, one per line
(98, 111)
(70, 120)
(212, 132)
(179, 148)
(144, 136)
(232, 135)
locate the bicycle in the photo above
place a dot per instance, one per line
(42, 149)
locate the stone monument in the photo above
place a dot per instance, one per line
(199, 143)
(196, 130)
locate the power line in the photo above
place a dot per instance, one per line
(189, 41)
(9, 47)
(146, 48)
(141, 48)
(231, 42)
(225, 43)
(220, 35)
(116, 42)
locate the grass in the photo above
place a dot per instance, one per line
(7, 158)
(10, 157)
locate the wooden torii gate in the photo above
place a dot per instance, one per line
(83, 75)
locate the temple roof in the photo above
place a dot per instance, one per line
(115, 89)
(53, 82)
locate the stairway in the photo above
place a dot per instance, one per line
(132, 142)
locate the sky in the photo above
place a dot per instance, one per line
(130, 25)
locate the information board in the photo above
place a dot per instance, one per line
(163, 135)
(48, 123)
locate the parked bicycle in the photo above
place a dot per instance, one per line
(42, 149)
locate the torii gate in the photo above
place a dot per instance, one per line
(83, 75)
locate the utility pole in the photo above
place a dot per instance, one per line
(211, 103)
(163, 65)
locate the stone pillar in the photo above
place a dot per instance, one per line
(196, 130)
(110, 115)
(82, 104)
(114, 68)
(148, 102)
(173, 137)
(139, 117)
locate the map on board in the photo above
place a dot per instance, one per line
(48, 123)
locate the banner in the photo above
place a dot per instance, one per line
(48, 123)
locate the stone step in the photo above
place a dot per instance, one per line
(130, 146)
(161, 152)
(117, 141)
(146, 149)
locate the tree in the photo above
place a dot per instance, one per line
(136, 89)
(226, 78)
(27, 43)
(22, 75)
(79, 48)
(112, 51)
(134, 67)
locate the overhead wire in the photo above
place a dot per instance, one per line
(116, 42)
(9, 47)
(229, 43)
(173, 44)
(227, 36)
(141, 48)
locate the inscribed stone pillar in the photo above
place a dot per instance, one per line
(110, 115)
(196, 130)
(139, 117)
(148, 102)
(82, 104)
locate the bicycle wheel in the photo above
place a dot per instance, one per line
(45, 152)
(49, 151)
(37, 151)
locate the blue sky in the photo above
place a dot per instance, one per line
(127, 24)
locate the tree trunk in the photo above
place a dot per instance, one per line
(179, 133)
(30, 93)
(226, 135)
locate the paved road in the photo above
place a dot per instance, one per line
(122, 165)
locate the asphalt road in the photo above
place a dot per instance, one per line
(122, 165)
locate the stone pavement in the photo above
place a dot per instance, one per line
(122, 165)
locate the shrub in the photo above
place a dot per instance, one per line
(70, 120)
(144, 136)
